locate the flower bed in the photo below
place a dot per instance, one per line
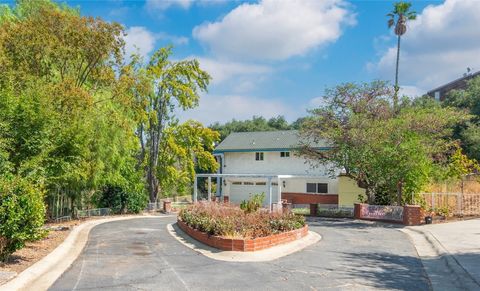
(228, 227)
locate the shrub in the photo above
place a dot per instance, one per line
(121, 200)
(231, 221)
(22, 214)
(253, 204)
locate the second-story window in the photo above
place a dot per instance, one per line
(259, 156)
(284, 154)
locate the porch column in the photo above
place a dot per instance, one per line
(279, 190)
(270, 193)
(209, 188)
(195, 191)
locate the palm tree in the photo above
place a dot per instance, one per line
(398, 17)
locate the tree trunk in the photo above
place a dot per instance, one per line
(399, 192)
(396, 87)
(370, 196)
(156, 135)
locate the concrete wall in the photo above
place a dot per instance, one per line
(348, 191)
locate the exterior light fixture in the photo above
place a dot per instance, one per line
(284, 183)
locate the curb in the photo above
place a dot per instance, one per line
(42, 274)
(264, 255)
(436, 251)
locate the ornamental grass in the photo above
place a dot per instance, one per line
(228, 220)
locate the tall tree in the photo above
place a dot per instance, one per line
(174, 84)
(468, 99)
(67, 105)
(257, 123)
(378, 147)
(398, 17)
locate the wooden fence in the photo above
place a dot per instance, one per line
(455, 203)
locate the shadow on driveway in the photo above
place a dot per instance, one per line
(349, 223)
(386, 270)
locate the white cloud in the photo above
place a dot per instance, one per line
(316, 102)
(139, 40)
(225, 108)
(438, 46)
(165, 4)
(142, 41)
(275, 30)
(411, 91)
(224, 70)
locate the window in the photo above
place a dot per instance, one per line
(248, 183)
(437, 95)
(317, 188)
(322, 188)
(311, 188)
(236, 183)
(284, 154)
(259, 156)
(261, 183)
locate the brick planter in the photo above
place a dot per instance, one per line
(243, 245)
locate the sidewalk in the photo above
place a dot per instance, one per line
(450, 253)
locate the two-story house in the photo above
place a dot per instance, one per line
(268, 162)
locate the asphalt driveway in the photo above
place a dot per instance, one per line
(140, 254)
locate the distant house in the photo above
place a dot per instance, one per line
(268, 162)
(461, 83)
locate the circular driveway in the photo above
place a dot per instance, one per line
(140, 254)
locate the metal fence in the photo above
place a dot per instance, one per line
(455, 203)
(93, 212)
(158, 206)
(334, 210)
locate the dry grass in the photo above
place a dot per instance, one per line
(471, 185)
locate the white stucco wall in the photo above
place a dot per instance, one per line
(273, 164)
(245, 163)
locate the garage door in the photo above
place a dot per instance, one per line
(238, 193)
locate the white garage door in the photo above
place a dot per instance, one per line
(238, 193)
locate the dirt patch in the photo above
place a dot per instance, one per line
(34, 251)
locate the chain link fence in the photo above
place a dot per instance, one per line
(94, 212)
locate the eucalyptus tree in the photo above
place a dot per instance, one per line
(398, 18)
(175, 85)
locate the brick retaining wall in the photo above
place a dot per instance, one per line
(412, 214)
(243, 245)
(305, 198)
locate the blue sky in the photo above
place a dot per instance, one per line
(276, 57)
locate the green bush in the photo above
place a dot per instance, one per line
(253, 204)
(231, 221)
(121, 200)
(22, 214)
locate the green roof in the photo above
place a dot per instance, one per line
(263, 140)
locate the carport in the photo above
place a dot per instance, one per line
(268, 188)
(295, 198)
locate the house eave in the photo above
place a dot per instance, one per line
(221, 151)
